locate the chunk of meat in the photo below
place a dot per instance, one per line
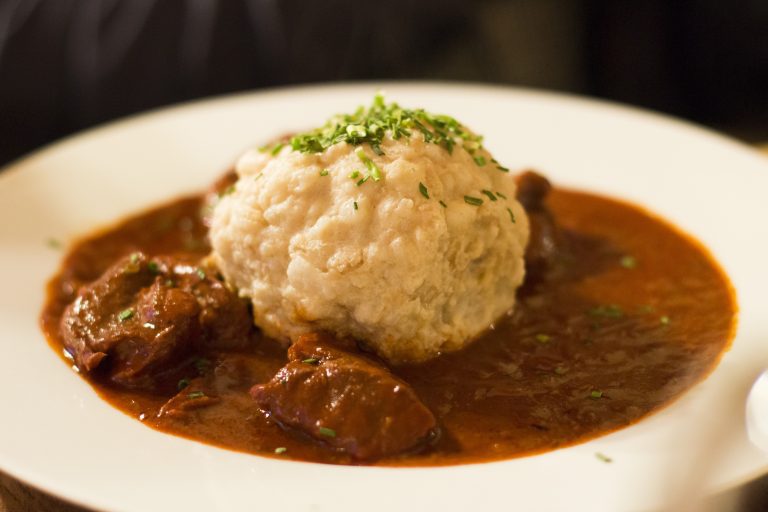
(545, 238)
(143, 316)
(345, 400)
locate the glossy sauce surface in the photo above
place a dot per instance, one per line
(624, 321)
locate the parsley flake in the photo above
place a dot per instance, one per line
(474, 201)
(489, 194)
(603, 458)
(501, 195)
(311, 360)
(511, 216)
(182, 384)
(354, 205)
(543, 338)
(628, 262)
(324, 172)
(596, 394)
(373, 169)
(327, 432)
(280, 450)
(479, 160)
(423, 190)
(200, 273)
(443, 204)
(665, 320)
(125, 314)
(195, 395)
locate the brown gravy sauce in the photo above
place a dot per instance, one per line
(635, 314)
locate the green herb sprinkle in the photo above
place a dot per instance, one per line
(489, 194)
(327, 432)
(125, 314)
(474, 201)
(369, 125)
(628, 262)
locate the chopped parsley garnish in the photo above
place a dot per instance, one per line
(153, 267)
(196, 394)
(354, 175)
(53, 243)
(609, 311)
(182, 384)
(665, 320)
(311, 360)
(125, 314)
(373, 169)
(324, 172)
(596, 394)
(134, 258)
(354, 205)
(229, 190)
(277, 148)
(443, 204)
(603, 458)
(501, 195)
(474, 201)
(370, 125)
(511, 216)
(489, 194)
(280, 450)
(502, 168)
(327, 432)
(479, 160)
(543, 338)
(362, 180)
(628, 262)
(423, 190)
(200, 273)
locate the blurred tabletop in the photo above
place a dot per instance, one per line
(18, 497)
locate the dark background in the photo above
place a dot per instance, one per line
(66, 65)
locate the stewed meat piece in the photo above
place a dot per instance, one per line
(345, 400)
(144, 315)
(545, 237)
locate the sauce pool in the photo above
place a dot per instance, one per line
(632, 315)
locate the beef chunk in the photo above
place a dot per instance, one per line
(345, 400)
(143, 316)
(545, 238)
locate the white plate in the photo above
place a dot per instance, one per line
(56, 434)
